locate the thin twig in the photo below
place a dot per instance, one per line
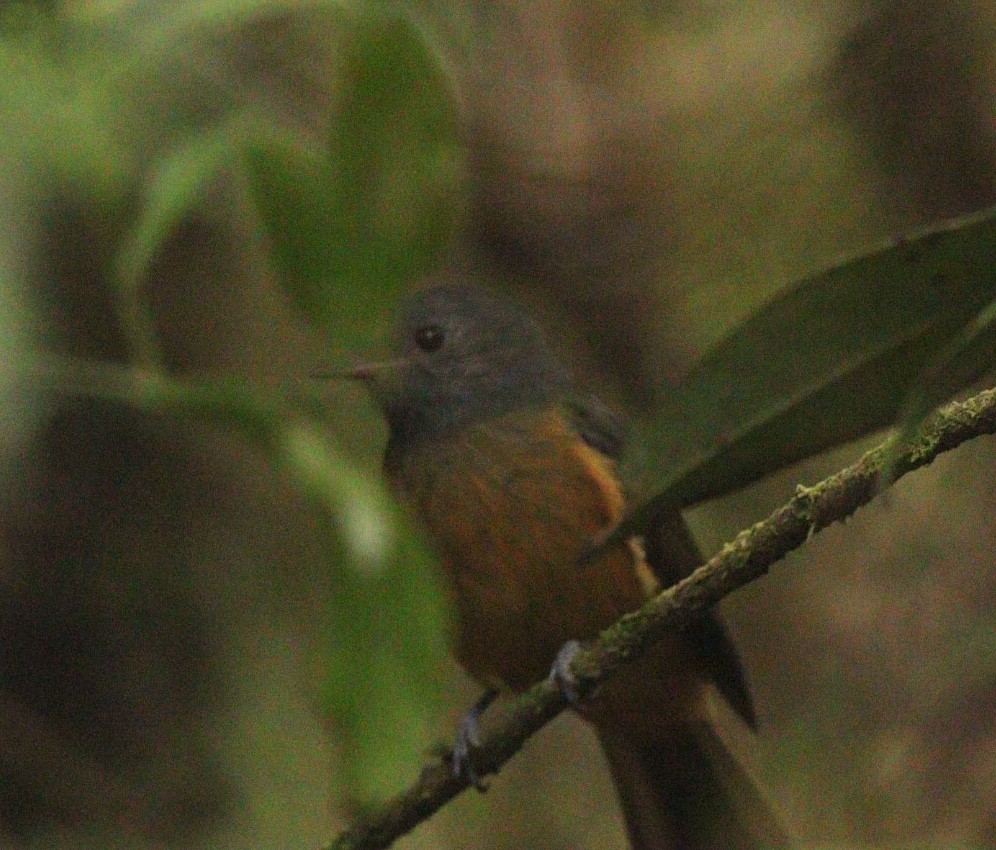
(748, 557)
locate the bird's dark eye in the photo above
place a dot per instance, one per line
(429, 338)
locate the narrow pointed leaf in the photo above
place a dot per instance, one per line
(825, 361)
(175, 185)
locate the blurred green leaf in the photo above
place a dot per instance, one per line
(63, 136)
(388, 617)
(183, 20)
(383, 680)
(360, 504)
(357, 502)
(348, 227)
(174, 186)
(292, 186)
(824, 362)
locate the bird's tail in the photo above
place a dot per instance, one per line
(690, 793)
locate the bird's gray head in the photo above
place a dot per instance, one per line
(462, 355)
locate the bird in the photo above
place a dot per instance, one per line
(512, 471)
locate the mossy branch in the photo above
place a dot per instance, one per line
(746, 558)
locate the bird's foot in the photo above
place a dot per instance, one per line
(561, 676)
(467, 738)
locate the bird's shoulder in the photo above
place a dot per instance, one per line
(596, 423)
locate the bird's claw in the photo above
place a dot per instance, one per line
(467, 738)
(561, 676)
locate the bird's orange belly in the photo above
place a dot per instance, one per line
(510, 506)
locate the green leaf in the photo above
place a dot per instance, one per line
(363, 513)
(382, 682)
(826, 361)
(165, 28)
(294, 189)
(350, 226)
(174, 186)
(360, 505)
(389, 623)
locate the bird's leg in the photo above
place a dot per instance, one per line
(560, 675)
(468, 737)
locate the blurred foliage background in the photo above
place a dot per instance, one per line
(224, 636)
